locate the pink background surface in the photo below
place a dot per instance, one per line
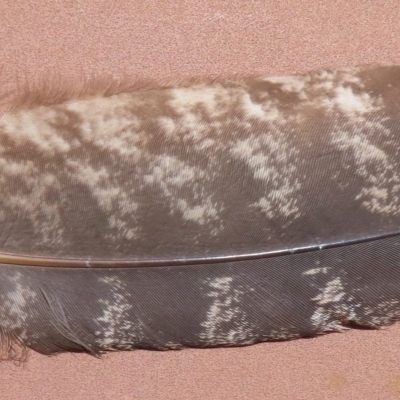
(144, 39)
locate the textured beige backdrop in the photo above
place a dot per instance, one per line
(74, 39)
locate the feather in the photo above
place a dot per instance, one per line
(222, 213)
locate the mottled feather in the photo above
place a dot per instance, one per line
(215, 213)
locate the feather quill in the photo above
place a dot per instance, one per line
(221, 213)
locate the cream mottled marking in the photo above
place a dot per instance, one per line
(16, 304)
(315, 88)
(107, 123)
(112, 128)
(315, 271)
(44, 215)
(108, 194)
(168, 126)
(281, 334)
(214, 99)
(266, 111)
(176, 177)
(166, 171)
(353, 104)
(204, 132)
(333, 292)
(200, 213)
(225, 309)
(374, 166)
(291, 84)
(34, 127)
(384, 312)
(279, 179)
(382, 191)
(114, 320)
(188, 103)
(335, 307)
